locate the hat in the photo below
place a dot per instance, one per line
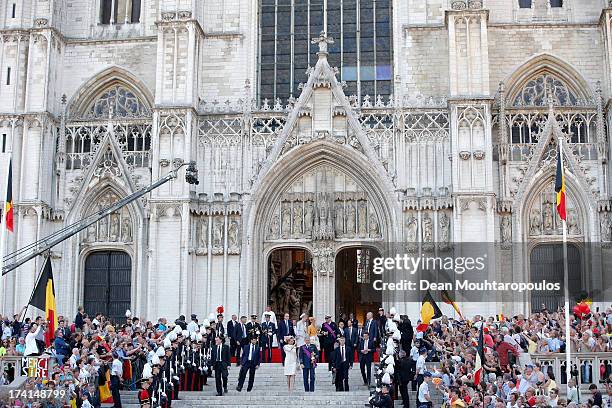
(422, 350)
(380, 309)
(267, 314)
(253, 316)
(328, 316)
(426, 374)
(302, 315)
(194, 316)
(220, 315)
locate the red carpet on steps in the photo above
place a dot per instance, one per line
(276, 356)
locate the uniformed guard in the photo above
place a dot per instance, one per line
(268, 330)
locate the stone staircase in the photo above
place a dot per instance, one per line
(270, 390)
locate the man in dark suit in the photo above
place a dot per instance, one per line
(352, 339)
(366, 354)
(250, 363)
(403, 371)
(220, 326)
(241, 336)
(268, 330)
(341, 362)
(285, 328)
(220, 357)
(370, 326)
(329, 332)
(407, 332)
(231, 334)
(308, 362)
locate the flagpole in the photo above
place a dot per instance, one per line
(3, 233)
(568, 353)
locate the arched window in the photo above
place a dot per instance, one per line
(119, 11)
(117, 102)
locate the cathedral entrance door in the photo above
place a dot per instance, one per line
(354, 291)
(107, 288)
(290, 282)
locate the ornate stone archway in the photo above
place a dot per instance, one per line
(325, 200)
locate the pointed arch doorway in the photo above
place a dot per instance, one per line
(290, 282)
(354, 291)
(107, 286)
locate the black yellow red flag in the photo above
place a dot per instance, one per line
(560, 186)
(429, 311)
(43, 298)
(8, 205)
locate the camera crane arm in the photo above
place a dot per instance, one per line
(16, 259)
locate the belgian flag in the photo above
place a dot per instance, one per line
(43, 298)
(478, 370)
(560, 186)
(429, 311)
(8, 205)
(446, 298)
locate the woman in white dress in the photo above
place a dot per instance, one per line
(290, 361)
(300, 330)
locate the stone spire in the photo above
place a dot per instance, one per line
(322, 40)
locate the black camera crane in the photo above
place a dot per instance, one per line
(23, 255)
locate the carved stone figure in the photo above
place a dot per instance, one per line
(548, 218)
(286, 220)
(573, 226)
(444, 228)
(604, 224)
(374, 229)
(362, 218)
(91, 233)
(339, 219)
(308, 217)
(202, 232)
(218, 234)
(506, 229)
(297, 220)
(114, 231)
(427, 228)
(295, 302)
(274, 232)
(103, 229)
(126, 230)
(411, 229)
(232, 236)
(535, 222)
(350, 218)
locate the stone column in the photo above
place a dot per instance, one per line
(324, 283)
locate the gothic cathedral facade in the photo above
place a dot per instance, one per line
(318, 127)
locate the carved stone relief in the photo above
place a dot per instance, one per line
(544, 219)
(117, 227)
(217, 235)
(233, 236)
(506, 230)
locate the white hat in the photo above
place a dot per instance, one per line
(389, 370)
(185, 333)
(391, 326)
(386, 379)
(128, 314)
(390, 350)
(211, 316)
(155, 360)
(302, 315)
(172, 336)
(177, 329)
(167, 343)
(397, 318)
(206, 323)
(147, 371)
(397, 335)
(390, 360)
(392, 311)
(198, 337)
(192, 336)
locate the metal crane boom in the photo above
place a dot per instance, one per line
(23, 255)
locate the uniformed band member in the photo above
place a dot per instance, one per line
(268, 330)
(144, 398)
(253, 328)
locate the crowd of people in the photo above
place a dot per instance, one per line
(95, 358)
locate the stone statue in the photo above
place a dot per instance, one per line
(126, 230)
(114, 232)
(362, 218)
(535, 222)
(286, 220)
(339, 219)
(91, 233)
(308, 217)
(374, 230)
(604, 224)
(232, 236)
(103, 229)
(548, 218)
(297, 220)
(573, 226)
(443, 227)
(295, 301)
(350, 218)
(274, 232)
(202, 232)
(218, 233)
(506, 229)
(411, 228)
(427, 228)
